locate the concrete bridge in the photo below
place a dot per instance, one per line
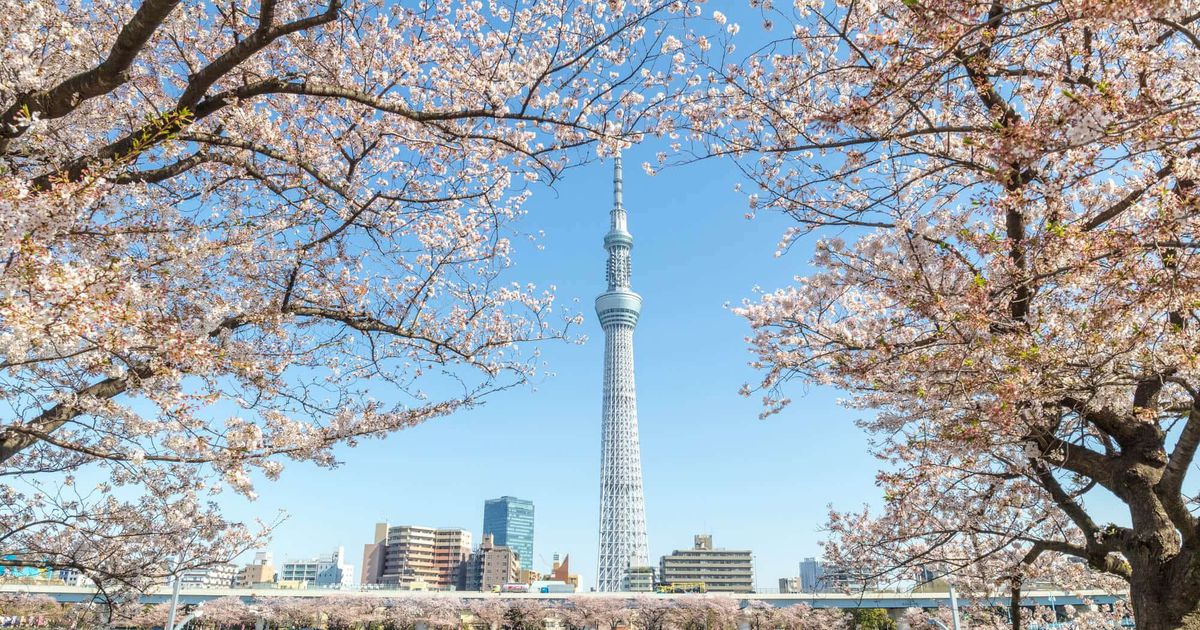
(886, 599)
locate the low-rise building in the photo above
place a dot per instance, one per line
(72, 577)
(720, 570)
(526, 576)
(260, 571)
(561, 571)
(221, 575)
(640, 579)
(329, 570)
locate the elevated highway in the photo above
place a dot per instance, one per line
(887, 599)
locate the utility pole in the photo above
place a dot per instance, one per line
(953, 611)
(175, 562)
(953, 605)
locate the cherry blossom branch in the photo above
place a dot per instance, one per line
(64, 98)
(263, 36)
(16, 437)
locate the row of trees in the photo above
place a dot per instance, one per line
(227, 226)
(587, 613)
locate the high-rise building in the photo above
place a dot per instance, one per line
(821, 577)
(811, 572)
(327, 570)
(622, 505)
(509, 520)
(260, 571)
(451, 549)
(415, 557)
(490, 566)
(721, 570)
(407, 556)
(372, 557)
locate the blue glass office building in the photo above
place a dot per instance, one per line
(510, 521)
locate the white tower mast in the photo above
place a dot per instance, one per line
(622, 506)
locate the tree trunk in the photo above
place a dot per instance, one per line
(1014, 606)
(1165, 597)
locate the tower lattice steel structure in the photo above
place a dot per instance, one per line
(622, 506)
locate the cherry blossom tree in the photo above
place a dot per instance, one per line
(229, 611)
(653, 613)
(487, 613)
(983, 617)
(293, 612)
(442, 613)
(705, 612)
(404, 615)
(39, 610)
(343, 612)
(525, 614)
(1005, 195)
(805, 617)
(237, 234)
(139, 616)
(603, 612)
(762, 615)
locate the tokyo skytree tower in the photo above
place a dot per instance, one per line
(622, 507)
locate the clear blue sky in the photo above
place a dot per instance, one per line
(710, 466)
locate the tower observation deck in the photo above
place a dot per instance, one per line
(622, 505)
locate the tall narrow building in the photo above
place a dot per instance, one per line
(622, 506)
(509, 521)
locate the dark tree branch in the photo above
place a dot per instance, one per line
(1170, 484)
(262, 37)
(1105, 420)
(65, 97)
(164, 173)
(13, 440)
(20, 435)
(1082, 520)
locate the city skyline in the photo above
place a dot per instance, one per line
(689, 390)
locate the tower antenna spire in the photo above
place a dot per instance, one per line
(622, 504)
(619, 218)
(617, 181)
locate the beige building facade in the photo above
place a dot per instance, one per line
(413, 556)
(261, 571)
(721, 570)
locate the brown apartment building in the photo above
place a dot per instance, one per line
(415, 557)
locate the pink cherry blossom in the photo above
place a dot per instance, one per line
(1004, 194)
(235, 235)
